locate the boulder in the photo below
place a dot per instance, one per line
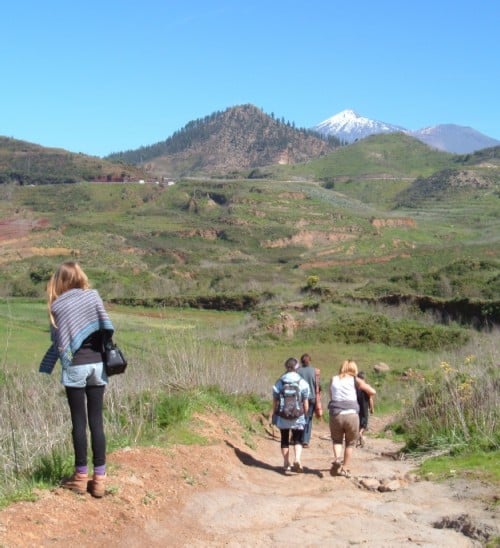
(381, 367)
(372, 484)
(390, 486)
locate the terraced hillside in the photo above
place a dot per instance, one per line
(212, 237)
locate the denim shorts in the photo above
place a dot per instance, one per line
(80, 376)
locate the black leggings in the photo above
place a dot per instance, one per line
(297, 437)
(94, 396)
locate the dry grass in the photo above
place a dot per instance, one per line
(36, 426)
(457, 405)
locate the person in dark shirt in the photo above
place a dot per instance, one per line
(308, 373)
(366, 406)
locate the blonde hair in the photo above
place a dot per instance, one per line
(69, 275)
(349, 367)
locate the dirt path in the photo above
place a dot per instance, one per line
(226, 494)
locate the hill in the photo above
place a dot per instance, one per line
(27, 163)
(239, 138)
(388, 156)
(487, 157)
(212, 239)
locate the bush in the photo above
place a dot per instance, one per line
(457, 407)
(377, 328)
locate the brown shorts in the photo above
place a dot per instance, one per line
(345, 424)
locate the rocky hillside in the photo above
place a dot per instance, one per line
(239, 138)
(27, 163)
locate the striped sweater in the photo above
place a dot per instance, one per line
(78, 313)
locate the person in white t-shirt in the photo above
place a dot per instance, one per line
(344, 414)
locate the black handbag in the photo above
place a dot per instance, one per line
(113, 359)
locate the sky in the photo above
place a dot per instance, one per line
(105, 76)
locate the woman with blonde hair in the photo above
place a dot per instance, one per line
(78, 326)
(344, 418)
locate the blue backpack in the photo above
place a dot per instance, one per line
(290, 401)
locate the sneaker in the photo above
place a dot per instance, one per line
(305, 445)
(77, 483)
(345, 473)
(297, 467)
(334, 470)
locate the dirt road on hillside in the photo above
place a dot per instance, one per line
(226, 494)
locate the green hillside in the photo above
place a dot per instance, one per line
(385, 155)
(208, 238)
(27, 163)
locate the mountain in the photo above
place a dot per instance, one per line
(239, 138)
(27, 163)
(453, 138)
(349, 126)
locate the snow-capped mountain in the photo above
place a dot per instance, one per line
(453, 138)
(349, 126)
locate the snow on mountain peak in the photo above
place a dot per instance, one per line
(349, 126)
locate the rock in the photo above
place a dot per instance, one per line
(381, 367)
(389, 486)
(465, 525)
(371, 484)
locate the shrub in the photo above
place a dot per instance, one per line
(457, 407)
(377, 328)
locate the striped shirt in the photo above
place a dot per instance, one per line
(78, 313)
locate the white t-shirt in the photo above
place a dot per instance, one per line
(343, 389)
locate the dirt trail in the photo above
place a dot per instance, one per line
(226, 494)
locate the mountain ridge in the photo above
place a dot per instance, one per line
(239, 141)
(238, 138)
(349, 126)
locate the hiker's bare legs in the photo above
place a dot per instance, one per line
(361, 439)
(337, 451)
(347, 457)
(298, 452)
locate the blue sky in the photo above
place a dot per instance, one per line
(110, 75)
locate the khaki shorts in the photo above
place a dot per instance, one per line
(345, 424)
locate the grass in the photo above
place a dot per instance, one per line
(182, 362)
(477, 465)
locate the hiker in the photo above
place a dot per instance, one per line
(344, 418)
(366, 407)
(308, 373)
(77, 316)
(290, 407)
